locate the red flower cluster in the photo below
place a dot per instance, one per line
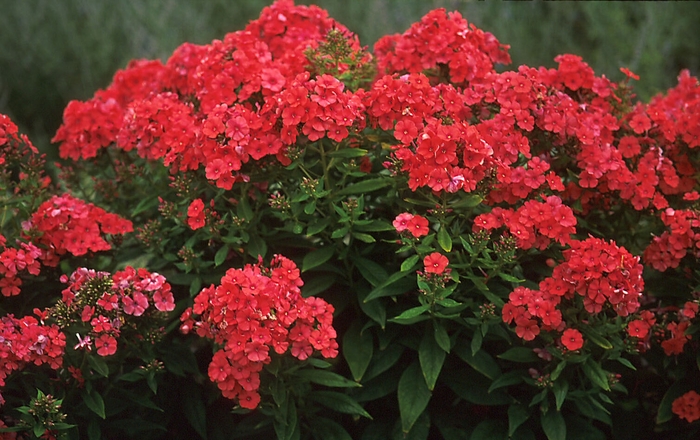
(70, 225)
(254, 310)
(534, 224)
(243, 98)
(13, 262)
(600, 272)
(445, 44)
(28, 341)
(416, 225)
(107, 302)
(17, 153)
(687, 406)
(667, 250)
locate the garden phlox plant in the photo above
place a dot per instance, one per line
(413, 238)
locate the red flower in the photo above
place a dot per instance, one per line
(195, 214)
(572, 339)
(418, 226)
(401, 221)
(687, 406)
(638, 329)
(435, 263)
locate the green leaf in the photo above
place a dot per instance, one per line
(481, 361)
(327, 429)
(256, 246)
(476, 342)
(596, 374)
(444, 239)
(243, 210)
(286, 422)
(489, 430)
(365, 186)
(375, 226)
(145, 204)
(374, 309)
(339, 402)
(507, 379)
(517, 415)
(327, 378)
(365, 238)
(519, 354)
(95, 402)
(510, 278)
(598, 340)
(98, 365)
(560, 390)
(358, 348)
(431, 358)
(557, 371)
(408, 315)
(371, 271)
(193, 407)
(441, 337)
(196, 285)
(391, 286)
(626, 363)
(469, 201)
(409, 263)
(318, 226)
(553, 425)
(383, 360)
(310, 207)
(317, 257)
(221, 255)
(348, 153)
(413, 395)
(315, 285)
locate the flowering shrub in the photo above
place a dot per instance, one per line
(494, 254)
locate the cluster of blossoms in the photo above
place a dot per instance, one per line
(534, 224)
(253, 311)
(66, 224)
(111, 307)
(687, 406)
(603, 274)
(18, 154)
(246, 97)
(414, 225)
(15, 261)
(27, 340)
(668, 249)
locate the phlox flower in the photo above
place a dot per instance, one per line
(418, 226)
(572, 339)
(435, 263)
(106, 345)
(401, 221)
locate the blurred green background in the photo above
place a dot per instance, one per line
(54, 51)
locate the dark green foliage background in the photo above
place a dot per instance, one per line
(54, 51)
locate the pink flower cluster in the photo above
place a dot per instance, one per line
(107, 304)
(256, 310)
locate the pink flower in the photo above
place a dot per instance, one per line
(401, 221)
(106, 345)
